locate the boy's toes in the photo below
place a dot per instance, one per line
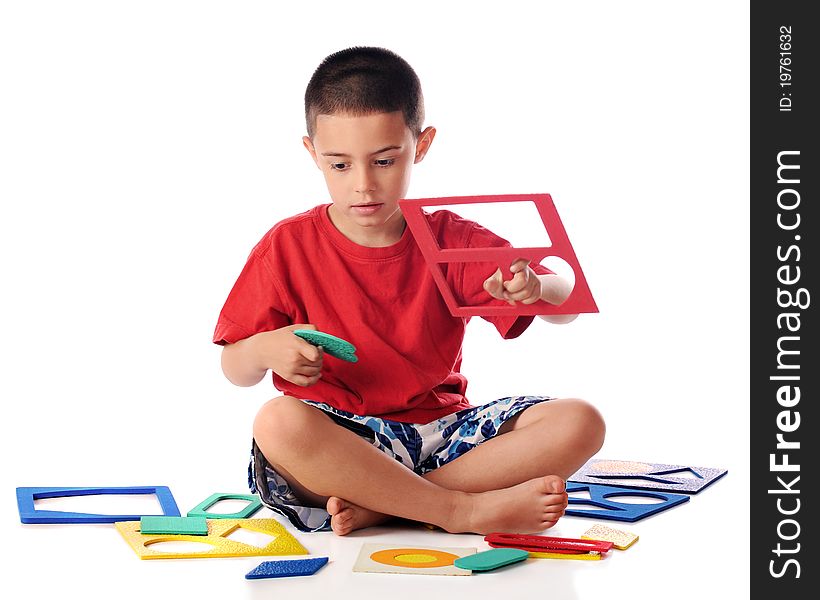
(335, 505)
(554, 484)
(338, 529)
(342, 523)
(553, 513)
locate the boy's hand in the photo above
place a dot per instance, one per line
(289, 356)
(524, 287)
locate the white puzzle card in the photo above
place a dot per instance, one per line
(412, 560)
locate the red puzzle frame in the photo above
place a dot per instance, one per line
(580, 299)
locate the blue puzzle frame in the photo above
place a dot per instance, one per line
(28, 514)
(618, 511)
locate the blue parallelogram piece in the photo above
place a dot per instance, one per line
(29, 514)
(618, 511)
(287, 568)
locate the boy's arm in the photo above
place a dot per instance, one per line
(527, 287)
(246, 362)
(555, 289)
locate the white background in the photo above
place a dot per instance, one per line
(145, 147)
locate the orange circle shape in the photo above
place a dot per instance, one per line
(416, 558)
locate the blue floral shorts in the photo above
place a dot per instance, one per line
(420, 447)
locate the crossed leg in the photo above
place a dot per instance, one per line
(513, 482)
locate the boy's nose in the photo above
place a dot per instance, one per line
(365, 183)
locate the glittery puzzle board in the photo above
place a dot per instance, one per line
(218, 538)
(648, 476)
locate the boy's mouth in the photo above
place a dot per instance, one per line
(367, 208)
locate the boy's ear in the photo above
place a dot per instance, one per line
(423, 143)
(308, 144)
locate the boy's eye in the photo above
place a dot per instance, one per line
(385, 162)
(339, 166)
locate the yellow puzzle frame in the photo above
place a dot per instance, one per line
(218, 531)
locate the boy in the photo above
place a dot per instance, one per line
(349, 445)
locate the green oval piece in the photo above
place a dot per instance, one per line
(491, 559)
(333, 345)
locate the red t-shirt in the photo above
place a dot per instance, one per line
(382, 300)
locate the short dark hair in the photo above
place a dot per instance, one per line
(364, 80)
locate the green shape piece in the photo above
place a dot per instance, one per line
(180, 525)
(201, 509)
(491, 559)
(333, 345)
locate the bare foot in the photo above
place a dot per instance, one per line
(529, 507)
(347, 517)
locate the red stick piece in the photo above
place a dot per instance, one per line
(541, 543)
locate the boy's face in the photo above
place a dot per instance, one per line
(366, 161)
